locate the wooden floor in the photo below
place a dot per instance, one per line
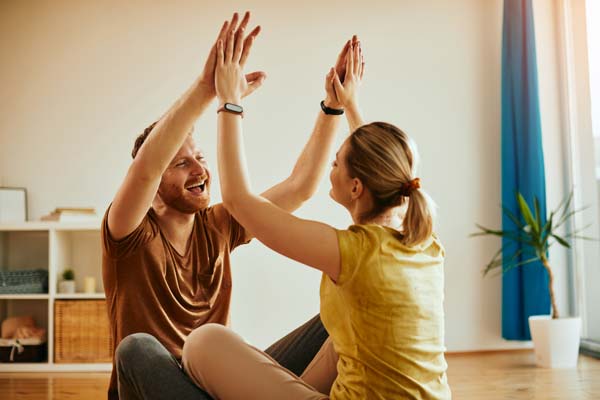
(490, 376)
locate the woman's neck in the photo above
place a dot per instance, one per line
(391, 218)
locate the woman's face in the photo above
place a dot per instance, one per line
(341, 182)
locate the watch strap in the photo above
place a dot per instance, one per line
(330, 111)
(232, 109)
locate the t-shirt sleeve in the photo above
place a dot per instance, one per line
(229, 226)
(126, 246)
(357, 245)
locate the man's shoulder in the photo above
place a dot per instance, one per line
(147, 230)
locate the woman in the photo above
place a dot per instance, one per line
(382, 285)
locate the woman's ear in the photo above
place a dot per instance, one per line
(357, 189)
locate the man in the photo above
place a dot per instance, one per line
(166, 265)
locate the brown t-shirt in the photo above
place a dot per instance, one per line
(152, 288)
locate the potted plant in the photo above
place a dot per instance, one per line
(67, 285)
(556, 340)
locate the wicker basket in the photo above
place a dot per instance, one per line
(81, 332)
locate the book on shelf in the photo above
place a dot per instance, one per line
(71, 214)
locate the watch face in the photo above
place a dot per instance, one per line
(233, 107)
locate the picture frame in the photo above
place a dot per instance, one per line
(13, 204)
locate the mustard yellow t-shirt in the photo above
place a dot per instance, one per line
(385, 317)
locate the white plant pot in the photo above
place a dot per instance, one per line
(66, 287)
(556, 341)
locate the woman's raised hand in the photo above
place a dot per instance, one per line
(233, 50)
(346, 91)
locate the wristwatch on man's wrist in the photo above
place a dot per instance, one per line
(331, 111)
(232, 109)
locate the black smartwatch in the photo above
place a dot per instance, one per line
(330, 111)
(232, 108)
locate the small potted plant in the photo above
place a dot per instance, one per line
(556, 340)
(67, 285)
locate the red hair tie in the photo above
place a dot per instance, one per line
(408, 187)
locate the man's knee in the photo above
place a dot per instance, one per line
(133, 347)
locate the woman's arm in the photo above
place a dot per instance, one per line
(309, 242)
(310, 166)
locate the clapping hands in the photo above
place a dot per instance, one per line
(343, 80)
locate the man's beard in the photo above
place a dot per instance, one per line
(176, 200)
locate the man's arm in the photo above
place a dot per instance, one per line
(302, 183)
(136, 193)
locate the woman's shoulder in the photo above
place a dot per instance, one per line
(378, 233)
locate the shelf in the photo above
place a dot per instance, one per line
(79, 296)
(40, 296)
(52, 367)
(54, 246)
(47, 226)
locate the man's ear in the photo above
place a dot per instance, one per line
(357, 189)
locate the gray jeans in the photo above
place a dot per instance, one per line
(146, 370)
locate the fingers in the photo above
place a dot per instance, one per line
(337, 85)
(220, 53)
(239, 36)
(356, 58)
(229, 45)
(239, 44)
(362, 69)
(245, 20)
(256, 75)
(255, 32)
(223, 30)
(340, 58)
(350, 61)
(255, 80)
(233, 24)
(329, 80)
(248, 42)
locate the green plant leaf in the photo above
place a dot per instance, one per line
(565, 204)
(575, 232)
(585, 238)
(566, 217)
(526, 212)
(497, 260)
(519, 264)
(517, 236)
(513, 217)
(561, 240)
(547, 229)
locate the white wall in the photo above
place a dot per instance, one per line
(81, 79)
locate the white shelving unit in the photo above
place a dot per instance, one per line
(53, 246)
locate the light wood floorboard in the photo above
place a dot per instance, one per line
(497, 375)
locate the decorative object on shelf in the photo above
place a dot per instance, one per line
(27, 281)
(556, 340)
(67, 285)
(71, 214)
(81, 332)
(22, 341)
(13, 205)
(89, 284)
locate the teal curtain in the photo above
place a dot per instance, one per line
(524, 289)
